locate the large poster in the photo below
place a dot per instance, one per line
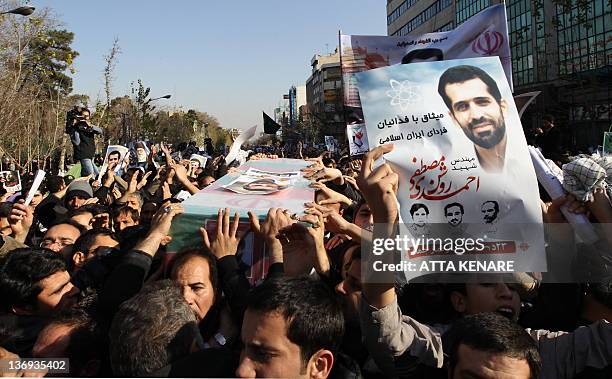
(461, 156)
(485, 34)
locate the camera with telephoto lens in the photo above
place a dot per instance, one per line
(75, 119)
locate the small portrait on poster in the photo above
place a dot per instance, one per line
(419, 214)
(490, 211)
(10, 180)
(115, 156)
(454, 214)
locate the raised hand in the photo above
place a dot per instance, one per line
(350, 180)
(334, 222)
(325, 175)
(332, 197)
(21, 219)
(166, 193)
(133, 185)
(160, 226)
(303, 243)
(180, 171)
(143, 181)
(379, 189)
(182, 176)
(91, 200)
(83, 178)
(162, 219)
(276, 219)
(101, 220)
(379, 186)
(225, 241)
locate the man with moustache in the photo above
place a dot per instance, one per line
(475, 104)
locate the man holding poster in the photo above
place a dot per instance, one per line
(427, 110)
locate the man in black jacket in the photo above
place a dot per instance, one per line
(82, 134)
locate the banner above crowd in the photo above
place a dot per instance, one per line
(459, 152)
(485, 34)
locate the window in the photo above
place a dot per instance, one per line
(424, 16)
(400, 10)
(521, 40)
(582, 44)
(446, 28)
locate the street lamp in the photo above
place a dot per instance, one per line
(22, 11)
(144, 111)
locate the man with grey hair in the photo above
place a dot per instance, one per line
(155, 333)
(151, 330)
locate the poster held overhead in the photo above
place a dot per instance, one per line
(358, 140)
(483, 35)
(11, 181)
(114, 154)
(459, 152)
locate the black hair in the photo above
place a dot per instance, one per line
(492, 333)
(416, 206)
(94, 209)
(88, 339)
(314, 316)
(115, 152)
(423, 54)
(133, 213)
(463, 73)
(184, 255)
(453, 205)
(83, 243)
(80, 227)
(20, 272)
(132, 235)
(5, 209)
(329, 161)
(55, 183)
(151, 330)
(356, 207)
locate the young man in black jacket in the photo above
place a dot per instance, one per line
(82, 134)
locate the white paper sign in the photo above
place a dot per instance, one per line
(461, 156)
(240, 140)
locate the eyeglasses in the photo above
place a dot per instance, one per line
(62, 242)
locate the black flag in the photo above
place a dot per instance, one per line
(270, 126)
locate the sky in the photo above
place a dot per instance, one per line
(231, 59)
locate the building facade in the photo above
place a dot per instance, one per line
(563, 49)
(324, 94)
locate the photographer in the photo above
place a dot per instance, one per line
(82, 135)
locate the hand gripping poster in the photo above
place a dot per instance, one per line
(464, 169)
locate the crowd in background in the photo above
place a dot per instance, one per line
(84, 275)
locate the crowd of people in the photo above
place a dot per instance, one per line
(84, 275)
